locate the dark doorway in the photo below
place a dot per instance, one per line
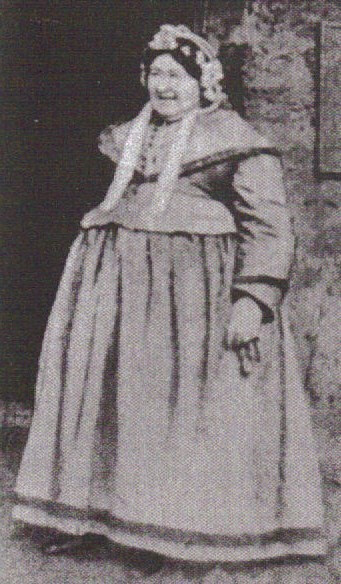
(70, 68)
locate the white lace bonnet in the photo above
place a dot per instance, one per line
(171, 38)
(211, 76)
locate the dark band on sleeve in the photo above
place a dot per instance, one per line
(280, 283)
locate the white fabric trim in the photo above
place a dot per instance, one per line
(130, 155)
(129, 158)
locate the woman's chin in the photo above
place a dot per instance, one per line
(167, 109)
(173, 109)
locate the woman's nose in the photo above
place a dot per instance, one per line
(164, 84)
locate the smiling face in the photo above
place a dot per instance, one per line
(173, 92)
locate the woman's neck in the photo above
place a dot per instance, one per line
(173, 118)
(162, 119)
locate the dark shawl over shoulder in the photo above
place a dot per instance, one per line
(230, 182)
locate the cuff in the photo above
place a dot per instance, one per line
(267, 296)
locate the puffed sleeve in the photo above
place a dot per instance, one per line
(107, 143)
(112, 139)
(266, 243)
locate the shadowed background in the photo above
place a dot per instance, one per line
(71, 67)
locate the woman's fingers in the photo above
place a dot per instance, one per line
(244, 361)
(253, 350)
(243, 333)
(248, 355)
(245, 322)
(255, 345)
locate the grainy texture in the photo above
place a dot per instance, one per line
(280, 72)
(280, 76)
(23, 562)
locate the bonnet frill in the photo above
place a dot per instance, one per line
(168, 39)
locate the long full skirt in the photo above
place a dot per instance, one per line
(144, 428)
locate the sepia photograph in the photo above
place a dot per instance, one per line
(170, 292)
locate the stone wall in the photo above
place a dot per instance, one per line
(278, 40)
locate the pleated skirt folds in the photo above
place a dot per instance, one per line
(144, 429)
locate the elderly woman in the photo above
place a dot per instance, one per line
(169, 412)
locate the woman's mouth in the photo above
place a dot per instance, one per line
(166, 97)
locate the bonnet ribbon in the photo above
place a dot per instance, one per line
(130, 156)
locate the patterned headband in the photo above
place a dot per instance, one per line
(167, 36)
(170, 38)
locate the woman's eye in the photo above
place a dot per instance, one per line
(173, 75)
(169, 75)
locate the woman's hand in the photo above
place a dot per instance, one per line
(244, 332)
(96, 216)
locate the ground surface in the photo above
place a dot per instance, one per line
(22, 560)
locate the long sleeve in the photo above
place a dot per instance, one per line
(265, 248)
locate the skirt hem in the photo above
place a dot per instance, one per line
(194, 552)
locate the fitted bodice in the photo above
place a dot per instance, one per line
(229, 182)
(200, 202)
(157, 143)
